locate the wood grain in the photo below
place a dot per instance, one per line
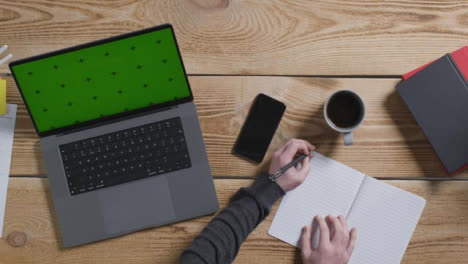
(440, 237)
(299, 37)
(388, 144)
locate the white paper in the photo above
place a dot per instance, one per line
(330, 188)
(385, 217)
(7, 128)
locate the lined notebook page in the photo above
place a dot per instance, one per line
(330, 188)
(385, 218)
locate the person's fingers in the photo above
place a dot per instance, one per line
(309, 146)
(324, 239)
(343, 223)
(289, 142)
(305, 241)
(305, 161)
(314, 230)
(294, 141)
(330, 226)
(345, 226)
(295, 147)
(345, 230)
(352, 241)
(305, 168)
(279, 152)
(337, 229)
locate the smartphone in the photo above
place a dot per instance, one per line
(259, 128)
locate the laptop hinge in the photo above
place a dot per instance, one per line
(117, 120)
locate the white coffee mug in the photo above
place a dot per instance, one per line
(344, 111)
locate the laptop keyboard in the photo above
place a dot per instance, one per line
(125, 156)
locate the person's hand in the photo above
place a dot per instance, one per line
(336, 242)
(292, 177)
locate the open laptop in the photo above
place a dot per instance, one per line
(119, 134)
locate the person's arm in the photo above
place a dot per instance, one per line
(219, 242)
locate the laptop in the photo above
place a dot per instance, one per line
(119, 134)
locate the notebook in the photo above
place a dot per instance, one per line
(436, 96)
(385, 216)
(460, 57)
(7, 128)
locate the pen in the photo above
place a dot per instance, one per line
(281, 171)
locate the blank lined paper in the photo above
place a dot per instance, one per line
(385, 217)
(330, 188)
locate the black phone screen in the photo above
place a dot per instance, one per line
(259, 127)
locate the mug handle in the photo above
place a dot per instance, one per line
(348, 138)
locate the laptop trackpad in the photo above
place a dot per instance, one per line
(137, 205)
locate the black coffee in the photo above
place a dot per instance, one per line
(345, 109)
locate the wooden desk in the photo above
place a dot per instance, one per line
(296, 51)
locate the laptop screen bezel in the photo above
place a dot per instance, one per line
(114, 117)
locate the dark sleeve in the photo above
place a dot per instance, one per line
(219, 242)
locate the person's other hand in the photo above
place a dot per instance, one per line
(292, 177)
(336, 242)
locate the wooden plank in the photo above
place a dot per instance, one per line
(388, 144)
(254, 37)
(440, 237)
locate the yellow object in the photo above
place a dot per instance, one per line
(3, 108)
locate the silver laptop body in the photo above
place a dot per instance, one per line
(139, 204)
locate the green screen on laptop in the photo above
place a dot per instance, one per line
(102, 80)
